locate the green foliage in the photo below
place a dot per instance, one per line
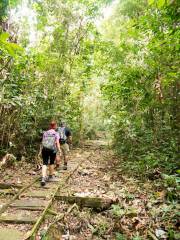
(51, 78)
(121, 78)
(142, 85)
(3, 9)
(137, 238)
(117, 211)
(5, 5)
(8, 48)
(170, 181)
(100, 226)
(173, 235)
(160, 3)
(120, 236)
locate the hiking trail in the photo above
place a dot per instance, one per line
(94, 199)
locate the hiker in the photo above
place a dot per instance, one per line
(65, 138)
(50, 145)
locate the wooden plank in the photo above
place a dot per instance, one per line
(10, 234)
(92, 202)
(30, 208)
(5, 206)
(29, 203)
(15, 219)
(9, 185)
(31, 234)
(39, 194)
(7, 192)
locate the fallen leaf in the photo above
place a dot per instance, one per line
(161, 234)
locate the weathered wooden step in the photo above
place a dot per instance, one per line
(10, 234)
(29, 203)
(9, 185)
(92, 202)
(15, 219)
(7, 192)
(30, 208)
(38, 194)
(47, 186)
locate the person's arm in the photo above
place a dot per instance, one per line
(40, 150)
(69, 136)
(40, 147)
(69, 139)
(58, 145)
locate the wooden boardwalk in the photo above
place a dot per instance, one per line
(31, 204)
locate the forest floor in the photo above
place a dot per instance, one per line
(139, 209)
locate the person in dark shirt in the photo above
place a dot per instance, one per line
(64, 140)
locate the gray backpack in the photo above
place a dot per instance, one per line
(62, 133)
(49, 141)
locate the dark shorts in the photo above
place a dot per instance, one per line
(48, 156)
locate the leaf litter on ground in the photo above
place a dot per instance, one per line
(141, 208)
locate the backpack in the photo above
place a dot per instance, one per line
(62, 134)
(49, 141)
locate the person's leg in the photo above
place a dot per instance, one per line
(65, 154)
(58, 160)
(52, 176)
(44, 171)
(51, 166)
(45, 157)
(51, 170)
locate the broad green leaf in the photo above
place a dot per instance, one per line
(4, 36)
(15, 46)
(151, 2)
(161, 3)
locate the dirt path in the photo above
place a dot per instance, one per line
(139, 209)
(135, 210)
